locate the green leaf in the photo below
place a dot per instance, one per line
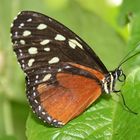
(125, 124)
(128, 9)
(134, 43)
(135, 31)
(94, 123)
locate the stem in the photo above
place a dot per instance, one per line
(7, 117)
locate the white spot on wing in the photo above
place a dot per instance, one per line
(37, 77)
(73, 42)
(59, 37)
(78, 39)
(21, 25)
(47, 49)
(67, 67)
(29, 20)
(16, 33)
(60, 123)
(39, 107)
(50, 19)
(33, 88)
(72, 45)
(43, 113)
(32, 50)
(30, 62)
(44, 42)
(44, 71)
(53, 60)
(15, 18)
(22, 42)
(49, 118)
(12, 25)
(41, 26)
(20, 52)
(23, 65)
(36, 101)
(18, 13)
(34, 94)
(26, 33)
(22, 61)
(28, 82)
(54, 120)
(47, 77)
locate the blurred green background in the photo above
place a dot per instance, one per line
(111, 28)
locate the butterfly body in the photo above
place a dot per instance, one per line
(63, 74)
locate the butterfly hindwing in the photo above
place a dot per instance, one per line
(60, 102)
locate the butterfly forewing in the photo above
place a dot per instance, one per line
(45, 48)
(38, 38)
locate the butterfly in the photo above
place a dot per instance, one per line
(64, 76)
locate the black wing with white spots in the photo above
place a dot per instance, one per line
(39, 41)
(45, 47)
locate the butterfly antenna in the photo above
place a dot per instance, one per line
(125, 105)
(128, 57)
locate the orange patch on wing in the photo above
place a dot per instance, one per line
(71, 96)
(98, 74)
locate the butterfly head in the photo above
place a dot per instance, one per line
(110, 80)
(119, 75)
